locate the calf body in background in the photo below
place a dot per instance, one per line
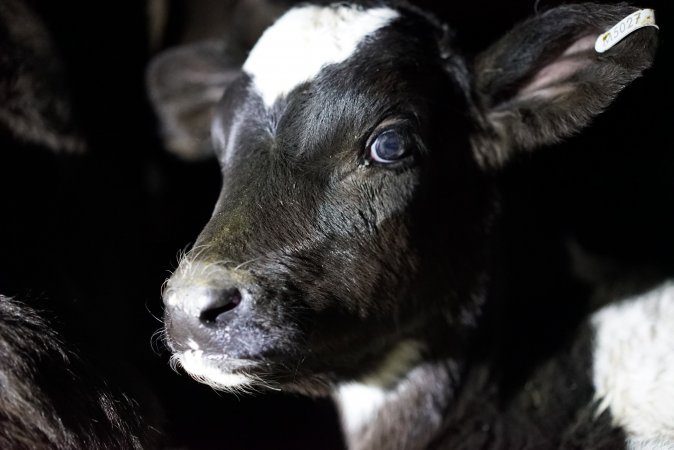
(53, 393)
(34, 99)
(351, 251)
(49, 398)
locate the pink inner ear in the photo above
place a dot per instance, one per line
(549, 81)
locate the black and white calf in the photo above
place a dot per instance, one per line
(351, 251)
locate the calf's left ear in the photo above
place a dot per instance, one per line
(545, 80)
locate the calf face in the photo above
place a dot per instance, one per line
(358, 153)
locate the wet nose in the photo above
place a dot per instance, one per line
(221, 302)
(207, 306)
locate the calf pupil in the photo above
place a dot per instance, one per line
(387, 147)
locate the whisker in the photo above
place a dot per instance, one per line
(247, 262)
(147, 308)
(158, 341)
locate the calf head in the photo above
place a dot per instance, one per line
(358, 151)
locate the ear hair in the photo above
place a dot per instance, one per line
(184, 86)
(544, 81)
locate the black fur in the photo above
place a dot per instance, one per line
(553, 408)
(504, 69)
(49, 398)
(35, 103)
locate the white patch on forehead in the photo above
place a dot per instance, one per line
(304, 40)
(634, 365)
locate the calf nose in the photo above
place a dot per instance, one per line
(205, 305)
(208, 306)
(221, 302)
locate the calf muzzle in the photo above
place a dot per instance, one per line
(201, 304)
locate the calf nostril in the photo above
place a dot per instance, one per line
(223, 301)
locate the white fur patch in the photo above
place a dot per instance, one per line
(199, 367)
(191, 343)
(358, 402)
(650, 444)
(304, 40)
(634, 366)
(170, 298)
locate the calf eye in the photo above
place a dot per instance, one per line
(388, 147)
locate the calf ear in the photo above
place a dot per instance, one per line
(544, 80)
(184, 85)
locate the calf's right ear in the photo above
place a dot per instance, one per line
(184, 85)
(545, 80)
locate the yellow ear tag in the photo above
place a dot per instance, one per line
(631, 23)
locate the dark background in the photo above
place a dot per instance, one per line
(89, 238)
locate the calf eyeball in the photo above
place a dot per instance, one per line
(388, 147)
